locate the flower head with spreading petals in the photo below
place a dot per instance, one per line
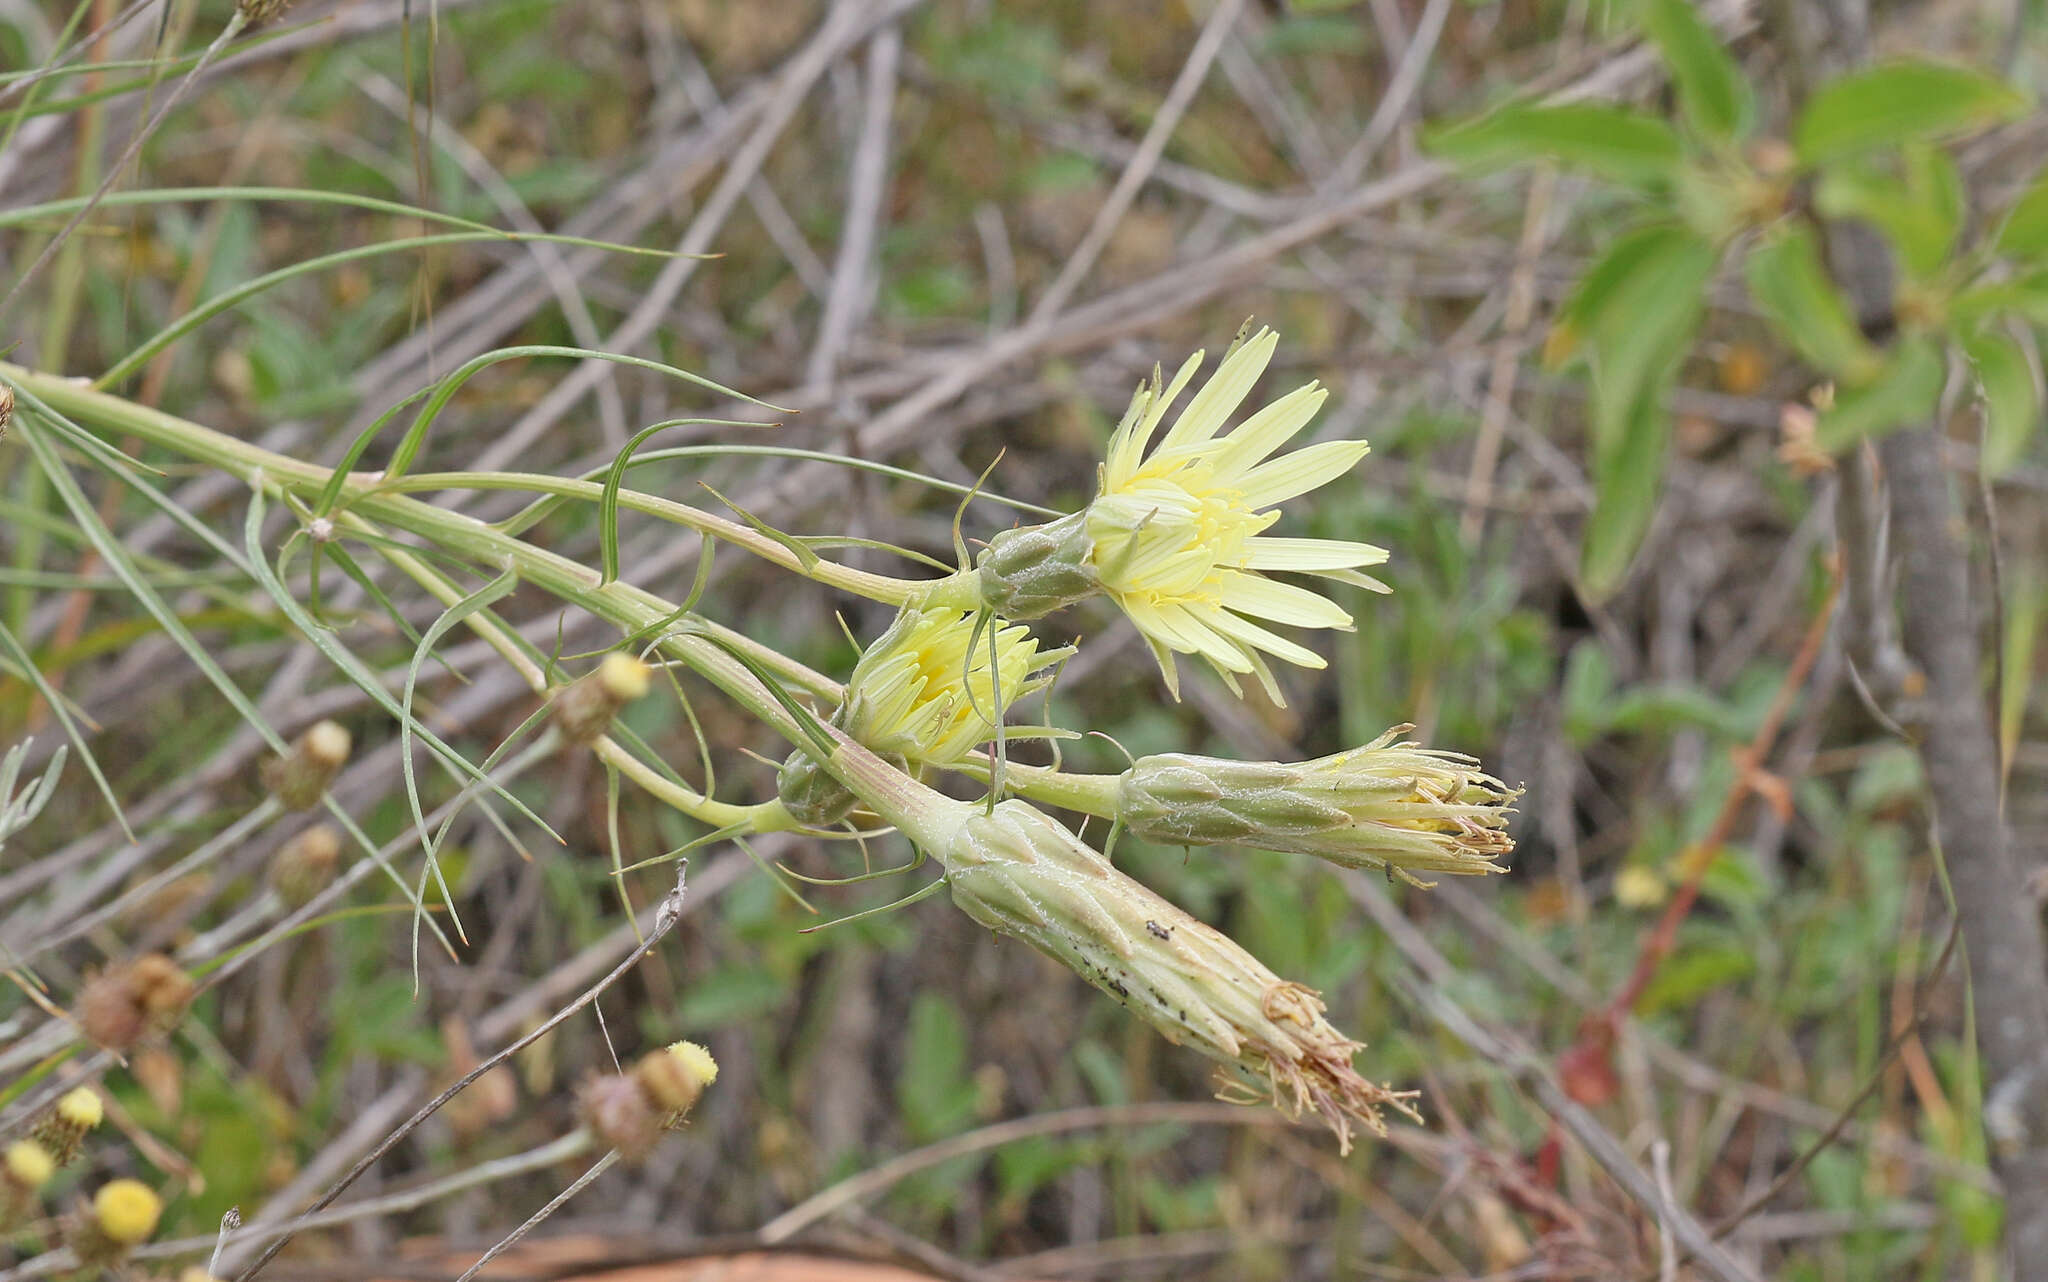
(1178, 528)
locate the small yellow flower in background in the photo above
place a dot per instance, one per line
(81, 1107)
(584, 709)
(1638, 887)
(697, 1059)
(126, 1211)
(28, 1165)
(63, 1132)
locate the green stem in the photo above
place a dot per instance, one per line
(1087, 794)
(876, 587)
(694, 642)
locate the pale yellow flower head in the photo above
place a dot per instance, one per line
(28, 1165)
(1178, 528)
(934, 687)
(81, 1107)
(696, 1059)
(126, 1211)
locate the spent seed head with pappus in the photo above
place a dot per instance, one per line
(1015, 870)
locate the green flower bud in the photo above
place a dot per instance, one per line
(1018, 872)
(1386, 805)
(1037, 569)
(813, 798)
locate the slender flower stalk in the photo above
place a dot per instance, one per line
(1175, 535)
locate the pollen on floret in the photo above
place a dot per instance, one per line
(624, 677)
(300, 777)
(28, 1164)
(697, 1059)
(583, 710)
(328, 744)
(126, 1211)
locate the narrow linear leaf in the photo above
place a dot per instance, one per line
(354, 668)
(54, 700)
(1610, 142)
(496, 590)
(608, 504)
(1898, 101)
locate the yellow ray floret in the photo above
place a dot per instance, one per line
(935, 685)
(1178, 531)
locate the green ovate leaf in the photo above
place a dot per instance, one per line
(1644, 327)
(1905, 389)
(1713, 95)
(1626, 480)
(1633, 316)
(1611, 142)
(1898, 102)
(2025, 233)
(1915, 198)
(1788, 281)
(2024, 296)
(2012, 404)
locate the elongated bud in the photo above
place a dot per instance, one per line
(300, 778)
(1018, 872)
(585, 708)
(1036, 569)
(1387, 805)
(304, 866)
